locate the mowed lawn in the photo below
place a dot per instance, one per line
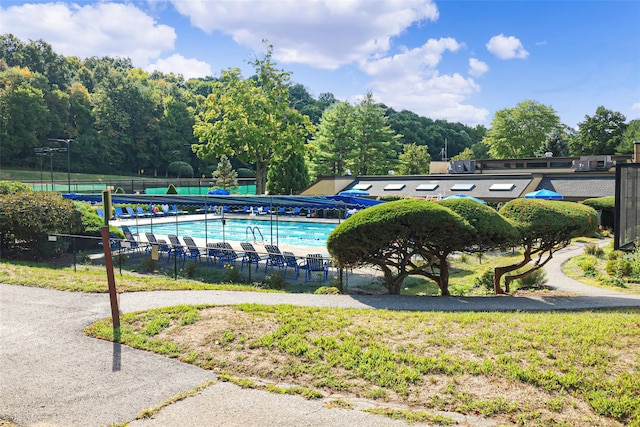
(558, 368)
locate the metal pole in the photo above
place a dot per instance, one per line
(69, 165)
(51, 162)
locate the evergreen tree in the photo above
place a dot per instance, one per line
(225, 176)
(556, 144)
(289, 176)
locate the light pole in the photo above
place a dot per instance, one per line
(48, 151)
(68, 142)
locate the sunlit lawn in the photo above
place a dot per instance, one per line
(571, 369)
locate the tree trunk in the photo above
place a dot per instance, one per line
(443, 280)
(261, 177)
(498, 272)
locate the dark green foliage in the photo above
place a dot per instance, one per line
(28, 217)
(245, 173)
(172, 189)
(289, 176)
(484, 280)
(225, 177)
(401, 238)
(119, 190)
(491, 230)
(544, 226)
(180, 169)
(607, 206)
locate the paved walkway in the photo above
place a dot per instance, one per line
(51, 374)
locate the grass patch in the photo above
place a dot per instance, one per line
(524, 368)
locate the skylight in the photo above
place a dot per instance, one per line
(394, 187)
(362, 186)
(427, 187)
(502, 187)
(463, 187)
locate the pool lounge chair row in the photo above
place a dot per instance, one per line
(220, 254)
(139, 212)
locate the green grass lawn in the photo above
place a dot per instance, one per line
(534, 369)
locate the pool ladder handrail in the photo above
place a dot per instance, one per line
(253, 233)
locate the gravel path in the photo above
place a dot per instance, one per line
(51, 374)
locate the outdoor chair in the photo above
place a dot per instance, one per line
(120, 213)
(251, 256)
(163, 248)
(192, 251)
(131, 212)
(177, 250)
(213, 253)
(315, 263)
(142, 213)
(290, 261)
(227, 254)
(154, 211)
(275, 259)
(130, 243)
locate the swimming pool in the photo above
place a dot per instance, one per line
(294, 233)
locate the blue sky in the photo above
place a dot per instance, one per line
(454, 60)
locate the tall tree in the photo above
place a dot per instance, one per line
(288, 176)
(520, 131)
(251, 119)
(224, 176)
(374, 139)
(332, 147)
(414, 160)
(631, 135)
(556, 144)
(600, 134)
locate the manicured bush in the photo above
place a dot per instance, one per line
(534, 280)
(28, 217)
(544, 226)
(588, 265)
(402, 238)
(172, 189)
(245, 173)
(607, 208)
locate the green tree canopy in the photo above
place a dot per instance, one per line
(332, 148)
(631, 134)
(544, 227)
(600, 134)
(414, 160)
(556, 144)
(251, 119)
(520, 131)
(401, 238)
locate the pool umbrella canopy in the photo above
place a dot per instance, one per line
(464, 196)
(219, 192)
(544, 194)
(353, 192)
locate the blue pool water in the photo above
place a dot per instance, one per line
(294, 233)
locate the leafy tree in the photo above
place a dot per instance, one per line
(374, 139)
(544, 227)
(491, 231)
(631, 134)
(466, 154)
(180, 169)
(288, 176)
(555, 144)
(26, 235)
(332, 148)
(414, 160)
(20, 103)
(600, 134)
(520, 131)
(224, 176)
(251, 119)
(401, 238)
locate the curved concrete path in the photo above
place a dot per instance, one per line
(51, 374)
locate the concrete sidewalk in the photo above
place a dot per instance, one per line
(51, 374)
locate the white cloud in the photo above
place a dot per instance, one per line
(505, 47)
(636, 106)
(322, 34)
(411, 81)
(477, 67)
(100, 29)
(178, 64)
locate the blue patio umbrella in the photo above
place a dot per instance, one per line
(464, 196)
(544, 194)
(219, 192)
(353, 192)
